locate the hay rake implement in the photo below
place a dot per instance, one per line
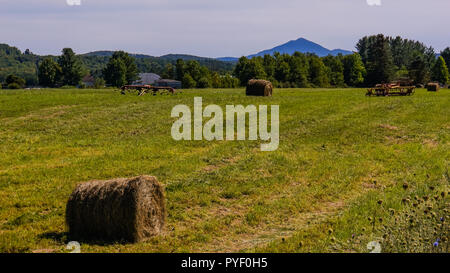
(391, 89)
(144, 89)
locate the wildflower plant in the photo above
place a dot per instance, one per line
(422, 227)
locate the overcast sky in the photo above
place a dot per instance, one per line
(214, 28)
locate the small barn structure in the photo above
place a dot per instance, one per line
(147, 79)
(88, 81)
(168, 83)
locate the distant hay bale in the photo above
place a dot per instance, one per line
(259, 88)
(122, 209)
(433, 87)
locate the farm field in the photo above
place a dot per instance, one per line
(340, 154)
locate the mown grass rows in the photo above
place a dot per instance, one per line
(339, 151)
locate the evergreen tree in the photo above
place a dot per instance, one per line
(418, 70)
(180, 66)
(440, 71)
(446, 55)
(363, 46)
(380, 66)
(71, 67)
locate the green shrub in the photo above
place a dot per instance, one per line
(203, 83)
(15, 81)
(188, 82)
(14, 85)
(99, 83)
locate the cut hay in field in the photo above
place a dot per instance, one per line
(433, 87)
(122, 209)
(259, 88)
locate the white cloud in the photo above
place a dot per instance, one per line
(73, 2)
(374, 2)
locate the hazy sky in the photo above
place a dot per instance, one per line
(214, 28)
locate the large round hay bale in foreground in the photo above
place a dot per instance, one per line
(122, 209)
(259, 88)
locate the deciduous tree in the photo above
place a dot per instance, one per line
(49, 73)
(354, 70)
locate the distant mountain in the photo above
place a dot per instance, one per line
(108, 53)
(142, 61)
(99, 53)
(228, 59)
(168, 57)
(301, 45)
(185, 57)
(344, 52)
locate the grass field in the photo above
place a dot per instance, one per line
(340, 154)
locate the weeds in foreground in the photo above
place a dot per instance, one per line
(423, 227)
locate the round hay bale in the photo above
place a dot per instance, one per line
(124, 209)
(432, 86)
(259, 88)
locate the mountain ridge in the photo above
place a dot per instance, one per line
(301, 45)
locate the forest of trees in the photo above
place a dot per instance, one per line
(27, 66)
(379, 59)
(303, 70)
(387, 59)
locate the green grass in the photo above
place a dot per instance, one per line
(339, 153)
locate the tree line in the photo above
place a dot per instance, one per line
(25, 65)
(388, 58)
(303, 70)
(378, 59)
(69, 70)
(193, 75)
